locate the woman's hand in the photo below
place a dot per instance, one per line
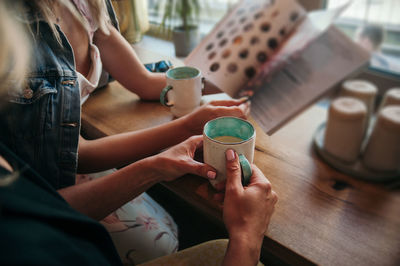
(195, 121)
(246, 212)
(178, 161)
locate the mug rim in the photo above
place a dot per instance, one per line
(177, 68)
(230, 143)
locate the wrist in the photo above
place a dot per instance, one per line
(153, 169)
(247, 240)
(185, 125)
(250, 242)
(243, 250)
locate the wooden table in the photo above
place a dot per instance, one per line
(322, 216)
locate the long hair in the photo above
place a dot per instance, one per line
(44, 10)
(14, 59)
(14, 48)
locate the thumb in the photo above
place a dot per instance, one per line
(233, 172)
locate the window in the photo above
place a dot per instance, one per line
(366, 18)
(211, 12)
(361, 13)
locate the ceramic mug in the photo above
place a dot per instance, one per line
(225, 133)
(184, 87)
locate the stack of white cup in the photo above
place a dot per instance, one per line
(350, 116)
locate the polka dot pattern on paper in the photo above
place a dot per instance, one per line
(246, 39)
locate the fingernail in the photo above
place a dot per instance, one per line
(230, 155)
(211, 174)
(244, 99)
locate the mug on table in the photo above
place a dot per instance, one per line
(225, 133)
(184, 90)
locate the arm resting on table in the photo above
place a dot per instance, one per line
(122, 149)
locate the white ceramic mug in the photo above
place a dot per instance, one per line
(184, 87)
(225, 133)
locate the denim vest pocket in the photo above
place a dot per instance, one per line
(30, 125)
(34, 90)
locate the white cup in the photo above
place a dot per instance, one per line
(363, 90)
(345, 128)
(184, 87)
(382, 152)
(391, 97)
(225, 133)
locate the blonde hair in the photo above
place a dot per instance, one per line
(14, 49)
(14, 59)
(44, 10)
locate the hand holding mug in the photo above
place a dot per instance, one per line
(246, 212)
(256, 201)
(178, 161)
(196, 120)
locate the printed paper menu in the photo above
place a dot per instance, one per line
(279, 55)
(244, 40)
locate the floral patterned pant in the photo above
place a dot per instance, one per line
(141, 229)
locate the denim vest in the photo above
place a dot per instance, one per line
(42, 121)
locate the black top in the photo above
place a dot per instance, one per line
(37, 226)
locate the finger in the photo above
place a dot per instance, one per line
(257, 176)
(199, 144)
(274, 197)
(233, 173)
(236, 111)
(233, 102)
(247, 93)
(196, 151)
(245, 107)
(195, 142)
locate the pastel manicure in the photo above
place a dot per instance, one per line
(230, 155)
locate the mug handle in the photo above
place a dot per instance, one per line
(163, 96)
(246, 170)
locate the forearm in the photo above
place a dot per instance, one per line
(122, 149)
(242, 251)
(121, 61)
(99, 197)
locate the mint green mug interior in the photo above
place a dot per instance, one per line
(183, 73)
(229, 126)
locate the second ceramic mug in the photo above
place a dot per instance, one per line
(225, 133)
(184, 87)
